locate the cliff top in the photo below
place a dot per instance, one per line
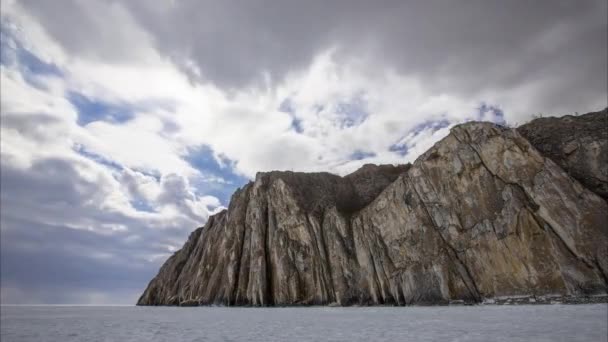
(318, 190)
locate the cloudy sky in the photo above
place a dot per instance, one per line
(124, 125)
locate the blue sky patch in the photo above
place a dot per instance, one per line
(31, 64)
(7, 50)
(142, 205)
(296, 124)
(287, 107)
(360, 155)
(487, 112)
(351, 113)
(347, 113)
(80, 149)
(90, 110)
(400, 149)
(12, 53)
(202, 158)
(434, 126)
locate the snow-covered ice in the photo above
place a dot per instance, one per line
(441, 323)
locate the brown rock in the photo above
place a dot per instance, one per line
(578, 144)
(482, 214)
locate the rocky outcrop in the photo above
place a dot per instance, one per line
(578, 144)
(483, 214)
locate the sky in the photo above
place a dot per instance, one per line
(125, 125)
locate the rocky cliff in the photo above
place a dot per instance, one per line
(578, 144)
(488, 212)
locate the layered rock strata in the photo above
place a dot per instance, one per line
(487, 212)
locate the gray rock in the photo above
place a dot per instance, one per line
(579, 144)
(482, 214)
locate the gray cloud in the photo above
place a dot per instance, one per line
(458, 47)
(35, 254)
(468, 48)
(57, 244)
(95, 29)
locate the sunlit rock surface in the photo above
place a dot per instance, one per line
(485, 213)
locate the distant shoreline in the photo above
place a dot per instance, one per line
(514, 300)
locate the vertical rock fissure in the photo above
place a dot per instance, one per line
(237, 267)
(379, 293)
(326, 261)
(250, 251)
(390, 265)
(469, 278)
(310, 228)
(268, 264)
(203, 236)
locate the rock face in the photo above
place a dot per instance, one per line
(485, 213)
(579, 144)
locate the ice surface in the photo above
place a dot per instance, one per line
(370, 324)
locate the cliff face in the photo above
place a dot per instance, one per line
(485, 213)
(578, 144)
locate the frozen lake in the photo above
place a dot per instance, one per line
(478, 323)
